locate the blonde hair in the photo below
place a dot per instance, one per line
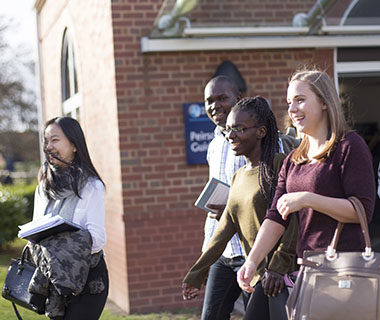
(323, 87)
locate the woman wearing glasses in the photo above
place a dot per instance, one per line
(251, 131)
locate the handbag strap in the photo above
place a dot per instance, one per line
(22, 259)
(25, 251)
(362, 218)
(16, 311)
(360, 211)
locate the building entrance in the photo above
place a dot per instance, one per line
(360, 93)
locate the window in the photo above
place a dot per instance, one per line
(71, 99)
(358, 74)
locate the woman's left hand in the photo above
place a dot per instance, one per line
(245, 276)
(291, 202)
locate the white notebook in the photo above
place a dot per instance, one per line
(46, 226)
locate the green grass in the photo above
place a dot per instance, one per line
(7, 312)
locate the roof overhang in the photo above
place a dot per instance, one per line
(258, 42)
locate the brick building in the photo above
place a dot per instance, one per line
(125, 73)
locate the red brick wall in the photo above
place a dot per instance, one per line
(258, 12)
(164, 231)
(90, 27)
(248, 12)
(133, 118)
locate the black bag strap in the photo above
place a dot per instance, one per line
(25, 255)
(16, 311)
(25, 251)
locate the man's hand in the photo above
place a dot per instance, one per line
(217, 210)
(189, 292)
(272, 282)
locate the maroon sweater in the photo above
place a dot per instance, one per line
(347, 172)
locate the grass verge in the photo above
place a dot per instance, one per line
(7, 312)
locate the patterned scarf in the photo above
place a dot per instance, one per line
(64, 200)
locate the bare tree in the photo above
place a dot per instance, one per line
(17, 102)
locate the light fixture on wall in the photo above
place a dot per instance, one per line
(314, 18)
(169, 24)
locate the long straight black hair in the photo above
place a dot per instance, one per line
(259, 109)
(79, 170)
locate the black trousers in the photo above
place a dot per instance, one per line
(87, 306)
(222, 289)
(262, 307)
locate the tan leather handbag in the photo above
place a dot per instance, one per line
(338, 285)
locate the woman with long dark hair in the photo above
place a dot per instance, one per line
(70, 186)
(251, 131)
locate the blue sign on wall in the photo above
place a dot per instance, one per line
(199, 130)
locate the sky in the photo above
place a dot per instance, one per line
(20, 36)
(22, 30)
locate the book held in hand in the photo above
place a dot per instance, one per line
(215, 192)
(47, 226)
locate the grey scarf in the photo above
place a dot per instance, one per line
(64, 202)
(64, 207)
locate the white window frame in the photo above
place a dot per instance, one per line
(70, 106)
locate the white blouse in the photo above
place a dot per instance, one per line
(89, 212)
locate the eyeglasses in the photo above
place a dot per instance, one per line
(237, 130)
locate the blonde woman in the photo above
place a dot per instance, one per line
(331, 164)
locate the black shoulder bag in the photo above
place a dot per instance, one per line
(16, 285)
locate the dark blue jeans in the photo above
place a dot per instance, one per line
(222, 289)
